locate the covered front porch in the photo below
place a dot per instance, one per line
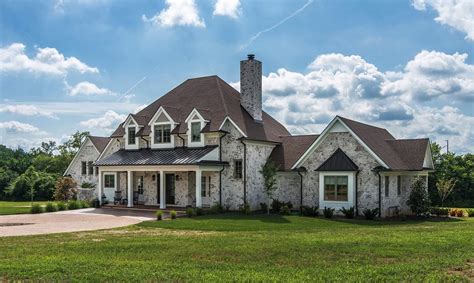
(160, 186)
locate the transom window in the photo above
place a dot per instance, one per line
(335, 188)
(109, 181)
(195, 131)
(163, 133)
(131, 135)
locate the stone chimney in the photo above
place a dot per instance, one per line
(251, 86)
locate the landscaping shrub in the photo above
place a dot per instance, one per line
(348, 213)
(460, 213)
(199, 211)
(65, 189)
(328, 212)
(289, 204)
(285, 210)
(173, 214)
(263, 207)
(310, 211)
(470, 212)
(216, 208)
(189, 212)
(419, 199)
(36, 208)
(51, 207)
(62, 206)
(85, 204)
(439, 211)
(370, 214)
(74, 204)
(87, 185)
(453, 212)
(159, 215)
(244, 208)
(276, 206)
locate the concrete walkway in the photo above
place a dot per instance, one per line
(87, 219)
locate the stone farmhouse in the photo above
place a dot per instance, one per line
(204, 143)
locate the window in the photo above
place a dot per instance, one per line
(399, 185)
(84, 168)
(96, 171)
(90, 167)
(387, 186)
(162, 134)
(238, 169)
(195, 131)
(109, 181)
(140, 185)
(131, 135)
(335, 188)
(203, 186)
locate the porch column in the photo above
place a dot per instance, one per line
(130, 188)
(162, 190)
(198, 188)
(99, 187)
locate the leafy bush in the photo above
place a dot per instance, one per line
(189, 212)
(62, 206)
(159, 215)
(173, 214)
(419, 199)
(460, 213)
(40, 184)
(328, 212)
(216, 208)
(276, 206)
(439, 211)
(244, 208)
(87, 185)
(51, 207)
(36, 208)
(370, 214)
(65, 189)
(453, 212)
(285, 210)
(74, 204)
(348, 213)
(289, 204)
(85, 204)
(310, 211)
(470, 212)
(199, 211)
(263, 207)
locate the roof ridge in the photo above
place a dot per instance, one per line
(222, 96)
(202, 77)
(413, 139)
(358, 122)
(303, 135)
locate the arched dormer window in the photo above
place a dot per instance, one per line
(161, 126)
(195, 122)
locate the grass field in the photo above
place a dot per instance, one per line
(16, 207)
(249, 248)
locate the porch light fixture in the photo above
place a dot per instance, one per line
(153, 177)
(177, 177)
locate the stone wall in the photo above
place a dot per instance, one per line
(87, 153)
(116, 145)
(288, 188)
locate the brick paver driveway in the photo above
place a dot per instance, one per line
(69, 221)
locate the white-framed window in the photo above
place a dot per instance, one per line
(131, 135)
(90, 168)
(161, 126)
(196, 123)
(109, 180)
(162, 134)
(203, 186)
(195, 131)
(336, 188)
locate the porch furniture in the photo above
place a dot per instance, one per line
(135, 197)
(117, 197)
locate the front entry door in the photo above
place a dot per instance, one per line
(170, 188)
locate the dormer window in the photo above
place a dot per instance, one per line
(196, 132)
(131, 135)
(162, 134)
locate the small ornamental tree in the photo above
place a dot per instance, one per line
(65, 189)
(419, 199)
(269, 172)
(444, 188)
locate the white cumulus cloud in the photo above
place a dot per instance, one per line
(458, 14)
(18, 127)
(177, 13)
(26, 110)
(87, 88)
(229, 8)
(47, 61)
(107, 122)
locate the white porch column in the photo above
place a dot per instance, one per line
(130, 188)
(162, 190)
(99, 186)
(198, 188)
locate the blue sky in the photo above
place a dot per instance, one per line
(83, 65)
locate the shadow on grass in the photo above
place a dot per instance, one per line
(272, 218)
(393, 221)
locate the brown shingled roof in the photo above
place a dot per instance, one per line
(99, 142)
(290, 150)
(217, 100)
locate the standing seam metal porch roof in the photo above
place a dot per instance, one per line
(174, 156)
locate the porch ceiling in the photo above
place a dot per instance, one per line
(176, 156)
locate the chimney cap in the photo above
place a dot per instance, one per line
(251, 56)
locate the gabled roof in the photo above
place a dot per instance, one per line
(338, 161)
(410, 152)
(290, 150)
(99, 142)
(175, 156)
(215, 100)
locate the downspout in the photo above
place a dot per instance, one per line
(380, 193)
(301, 188)
(222, 170)
(356, 193)
(181, 139)
(147, 144)
(244, 167)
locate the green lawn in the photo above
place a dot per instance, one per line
(249, 248)
(16, 207)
